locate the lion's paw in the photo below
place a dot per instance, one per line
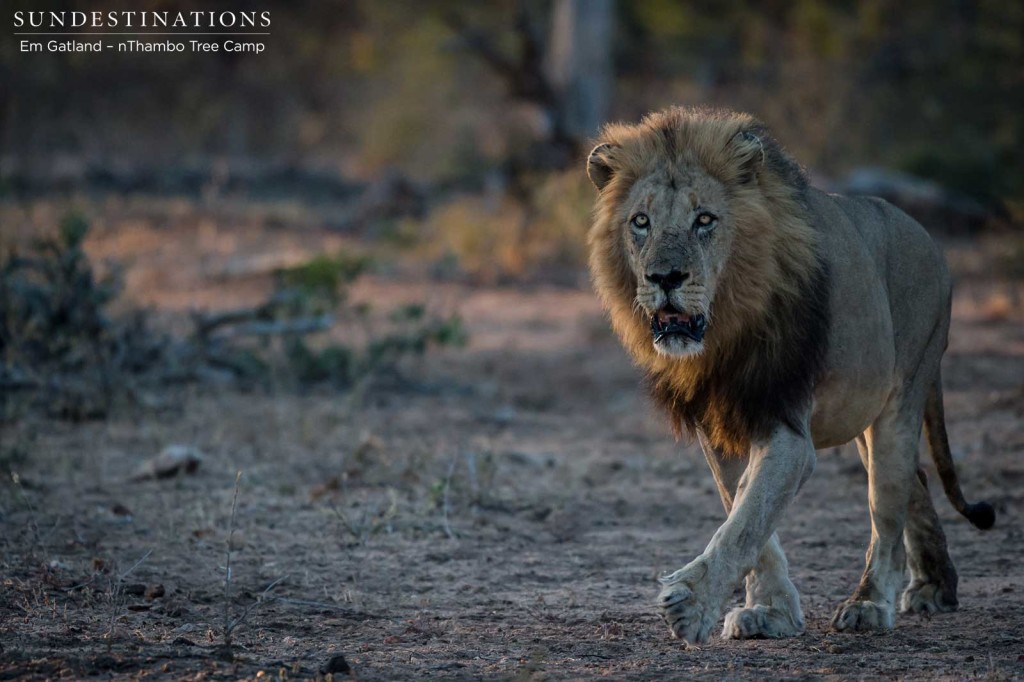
(863, 615)
(760, 621)
(928, 597)
(687, 612)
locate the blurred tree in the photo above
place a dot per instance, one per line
(360, 88)
(580, 64)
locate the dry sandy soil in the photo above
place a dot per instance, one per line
(500, 511)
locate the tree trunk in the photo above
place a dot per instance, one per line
(580, 64)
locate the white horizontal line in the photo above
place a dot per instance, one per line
(138, 33)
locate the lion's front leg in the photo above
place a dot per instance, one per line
(693, 597)
(772, 607)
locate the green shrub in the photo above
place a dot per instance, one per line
(57, 342)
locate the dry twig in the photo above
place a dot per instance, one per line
(227, 569)
(447, 487)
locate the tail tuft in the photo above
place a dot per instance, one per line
(981, 514)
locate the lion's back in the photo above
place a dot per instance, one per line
(883, 257)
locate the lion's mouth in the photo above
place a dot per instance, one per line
(669, 322)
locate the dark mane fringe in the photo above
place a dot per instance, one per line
(779, 162)
(765, 378)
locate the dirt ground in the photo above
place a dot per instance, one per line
(500, 511)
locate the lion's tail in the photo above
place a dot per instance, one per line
(981, 514)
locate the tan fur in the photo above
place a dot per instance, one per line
(840, 304)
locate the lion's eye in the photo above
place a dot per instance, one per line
(640, 221)
(704, 221)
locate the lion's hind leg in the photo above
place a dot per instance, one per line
(889, 452)
(933, 578)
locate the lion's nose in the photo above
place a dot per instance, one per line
(668, 280)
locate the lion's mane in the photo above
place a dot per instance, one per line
(767, 340)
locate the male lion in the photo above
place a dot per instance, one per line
(771, 320)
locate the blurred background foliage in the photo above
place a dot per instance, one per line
(363, 86)
(457, 108)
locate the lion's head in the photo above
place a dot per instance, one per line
(677, 236)
(701, 251)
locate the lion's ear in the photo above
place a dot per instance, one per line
(599, 167)
(749, 149)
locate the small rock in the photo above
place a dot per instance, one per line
(541, 514)
(542, 460)
(120, 510)
(103, 663)
(134, 589)
(504, 415)
(336, 664)
(368, 445)
(328, 487)
(237, 541)
(565, 523)
(173, 460)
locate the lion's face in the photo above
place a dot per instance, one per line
(677, 234)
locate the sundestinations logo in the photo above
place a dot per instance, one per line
(140, 19)
(142, 31)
